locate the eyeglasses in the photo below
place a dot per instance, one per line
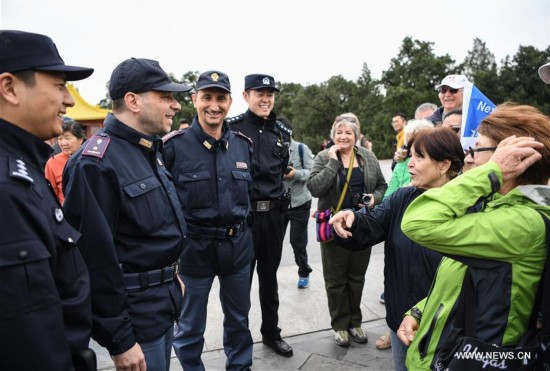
(445, 89)
(471, 151)
(353, 120)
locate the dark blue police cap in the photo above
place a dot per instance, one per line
(21, 51)
(138, 75)
(213, 79)
(259, 81)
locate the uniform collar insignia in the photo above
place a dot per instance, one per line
(145, 143)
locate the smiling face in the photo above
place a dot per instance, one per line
(157, 111)
(68, 142)
(344, 135)
(43, 104)
(260, 102)
(212, 106)
(450, 98)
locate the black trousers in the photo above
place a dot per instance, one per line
(299, 218)
(268, 233)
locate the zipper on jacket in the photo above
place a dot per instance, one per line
(425, 341)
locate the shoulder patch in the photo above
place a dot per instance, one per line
(172, 134)
(235, 119)
(97, 146)
(282, 127)
(18, 169)
(239, 134)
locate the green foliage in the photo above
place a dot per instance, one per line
(408, 82)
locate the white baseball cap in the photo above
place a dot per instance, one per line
(453, 81)
(544, 73)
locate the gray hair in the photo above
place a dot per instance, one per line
(424, 107)
(415, 125)
(349, 120)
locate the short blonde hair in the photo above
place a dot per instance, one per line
(347, 119)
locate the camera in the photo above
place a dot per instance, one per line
(358, 198)
(288, 168)
(366, 198)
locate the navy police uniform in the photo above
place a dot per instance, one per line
(121, 197)
(271, 141)
(45, 308)
(213, 179)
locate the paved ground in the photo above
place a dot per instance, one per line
(303, 318)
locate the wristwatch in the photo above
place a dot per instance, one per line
(416, 313)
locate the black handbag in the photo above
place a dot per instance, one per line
(469, 353)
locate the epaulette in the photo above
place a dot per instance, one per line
(235, 119)
(238, 133)
(283, 127)
(97, 145)
(18, 169)
(172, 134)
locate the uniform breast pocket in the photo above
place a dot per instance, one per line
(69, 262)
(25, 274)
(276, 160)
(239, 187)
(147, 203)
(196, 189)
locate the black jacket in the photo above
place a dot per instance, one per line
(45, 307)
(271, 142)
(213, 181)
(408, 267)
(121, 197)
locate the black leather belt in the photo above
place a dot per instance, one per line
(143, 280)
(261, 206)
(220, 233)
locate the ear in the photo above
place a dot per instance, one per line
(444, 166)
(245, 96)
(132, 101)
(8, 88)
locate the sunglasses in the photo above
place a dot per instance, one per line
(471, 151)
(445, 89)
(347, 118)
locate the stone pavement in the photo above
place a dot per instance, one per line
(303, 318)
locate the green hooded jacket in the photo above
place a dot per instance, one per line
(508, 233)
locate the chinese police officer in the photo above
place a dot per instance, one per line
(271, 140)
(45, 308)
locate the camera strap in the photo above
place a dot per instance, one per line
(348, 176)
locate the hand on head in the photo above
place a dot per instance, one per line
(514, 155)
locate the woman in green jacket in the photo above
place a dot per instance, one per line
(512, 151)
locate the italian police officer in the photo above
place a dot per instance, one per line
(45, 310)
(121, 197)
(271, 140)
(212, 167)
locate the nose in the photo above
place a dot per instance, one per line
(175, 104)
(68, 99)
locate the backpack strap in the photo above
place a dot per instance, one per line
(301, 153)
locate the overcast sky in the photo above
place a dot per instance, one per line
(301, 41)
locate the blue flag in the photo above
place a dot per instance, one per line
(475, 106)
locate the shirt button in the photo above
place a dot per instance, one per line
(194, 177)
(220, 179)
(23, 255)
(70, 240)
(142, 186)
